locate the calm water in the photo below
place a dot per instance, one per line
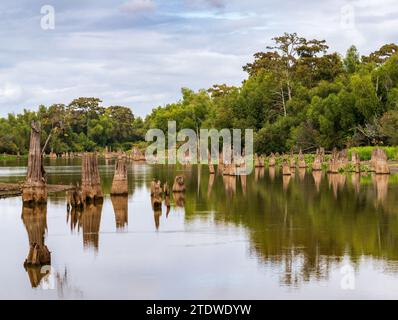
(263, 237)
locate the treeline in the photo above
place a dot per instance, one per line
(297, 94)
(83, 125)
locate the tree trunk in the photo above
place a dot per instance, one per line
(91, 182)
(120, 183)
(34, 189)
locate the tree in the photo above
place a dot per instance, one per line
(352, 60)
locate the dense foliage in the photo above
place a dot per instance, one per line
(297, 94)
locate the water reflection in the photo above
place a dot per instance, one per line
(156, 203)
(381, 183)
(89, 222)
(35, 221)
(179, 199)
(317, 175)
(297, 230)
(230, 185)
(302, 172)
(356, 182)
(286, 181)
(336, 182)
(272, 172)
(120, 207)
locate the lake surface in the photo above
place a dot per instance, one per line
(311, 236)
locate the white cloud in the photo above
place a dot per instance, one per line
(142, 60)
(134, 6)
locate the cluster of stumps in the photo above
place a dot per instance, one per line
(337, 163)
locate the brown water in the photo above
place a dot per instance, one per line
(263, 237)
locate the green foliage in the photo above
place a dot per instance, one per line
(83, 125)
(365, 153)
(297, 95)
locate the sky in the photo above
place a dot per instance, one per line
(140, 53)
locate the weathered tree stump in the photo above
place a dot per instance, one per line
(292, 161)
(34, 189)
(156, 194)
(120, 182)
(211, 165)
(229, 170)
(35, 221)
(317, 164)
(286, 169)
(334, 163)
(379, 161)
(272, 160)
(179, 185)
(259, 161)
(301, 160)
(156, 188)
(356, 162)
(74, 199)
(91, 182)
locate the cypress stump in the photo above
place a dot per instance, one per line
(379, 161)
(91, 182)
(34, 190)
(120, 183)
(317, 164)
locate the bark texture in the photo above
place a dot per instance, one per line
(317, 164)
(179, 184)
(120, 182)
(34, 190)
(91, 182)
(379, 161)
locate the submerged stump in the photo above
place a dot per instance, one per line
(91, 182)
(34, 190)
(272, 160)
(356, 162)
(286, 169)
(301, 160)
(120, 182)
(179, 184)
(317, 164)
(379, 161)
(334, 163)
(74, 199)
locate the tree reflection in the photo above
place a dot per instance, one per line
(35, 221)
(305, 227)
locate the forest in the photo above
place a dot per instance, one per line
(298, 94)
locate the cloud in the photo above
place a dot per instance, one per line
(216, 3)
(198, 4)
(135, 6)
(98, 49)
